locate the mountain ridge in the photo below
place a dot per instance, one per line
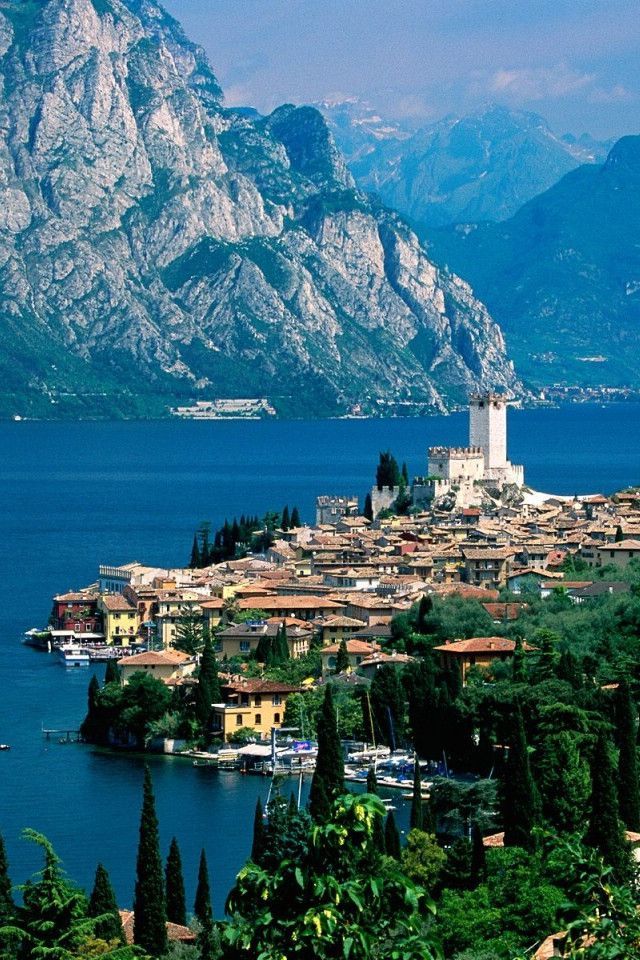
(156, 248)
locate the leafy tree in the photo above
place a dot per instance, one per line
(258, 843)
(422, 859)
(342, 659)
(328, 904)
(392, 837)
(174, 886)
(328, 777)
(150, 930)
(378, 826)
(626, 739)
(605, 831)
(53, 921)
(419, 682)
(7, 906)
(478, 855)
(112, 672)
(208, 690)
(519, 793)
(425, 608)
(103, 907)
(143, 700)
(90, 725)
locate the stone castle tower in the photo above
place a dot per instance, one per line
(488, 430)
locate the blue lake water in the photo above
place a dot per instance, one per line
(75, 495)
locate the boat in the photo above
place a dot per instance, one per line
(4, 746)
(205, 764)
(74, 656)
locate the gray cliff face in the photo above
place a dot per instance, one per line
(155, 247)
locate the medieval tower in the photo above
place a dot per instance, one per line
(488, 428)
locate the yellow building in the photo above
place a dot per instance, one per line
(121, 620)
(480, 652)
(334, 629)
(169, 666)
(259, 704)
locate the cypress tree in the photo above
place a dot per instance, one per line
(281, 646)
(626, 734)
(605, 831)
(405, 475)
(176, 901)
(263, 649)
(392, 837)
(259, 834)
(342, 659)
(518, 672)
(295, 518)
(285, 521)
(202, 903)
(112, 672)
(519, 792)
(150, 931)
(7, 906)
(328, 777)
(367, 510)
(103, 903)
(424, 610)
(417, 814)
(194, 562)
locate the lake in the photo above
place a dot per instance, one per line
(73, 495)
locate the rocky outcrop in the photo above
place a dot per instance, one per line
(157, 248)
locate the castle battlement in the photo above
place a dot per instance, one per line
(449, 453)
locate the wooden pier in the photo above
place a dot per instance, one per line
(63, 735)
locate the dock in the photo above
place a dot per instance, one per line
(62, 735)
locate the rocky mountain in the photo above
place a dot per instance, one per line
(157, 249)
(484, 166)
(562, 276)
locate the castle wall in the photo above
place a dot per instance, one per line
(383, 499)
(456, 463)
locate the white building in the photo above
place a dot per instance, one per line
(488, 430)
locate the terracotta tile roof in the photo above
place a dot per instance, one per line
(504, 611)
(116, 603)
(156, 658)
(291, 602)
(260, 686)
(175, 931)
(481, 645)
(353, 646)
(78, 597)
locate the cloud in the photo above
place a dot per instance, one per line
(616, 94)
(539, 83)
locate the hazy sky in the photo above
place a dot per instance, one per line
(577, 62)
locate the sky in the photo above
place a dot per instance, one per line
(576, 62)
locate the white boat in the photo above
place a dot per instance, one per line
(74, 656)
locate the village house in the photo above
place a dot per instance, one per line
(170, 666)
(76, 615)
(487, 566)
(120, 619)
(300, 607)
(357, 651)
(257, 704)
(334, 629)
(617, 553)
(242, 639)
(370, 665)
(481, 652)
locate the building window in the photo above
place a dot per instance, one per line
(276, 718)
(244, 700)
(245, 646)
(276, 700)
(257, 700)
(258, 720)
(238, 719)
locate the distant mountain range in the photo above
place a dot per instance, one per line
(157, 249)
(562, 276)
(484, 166)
